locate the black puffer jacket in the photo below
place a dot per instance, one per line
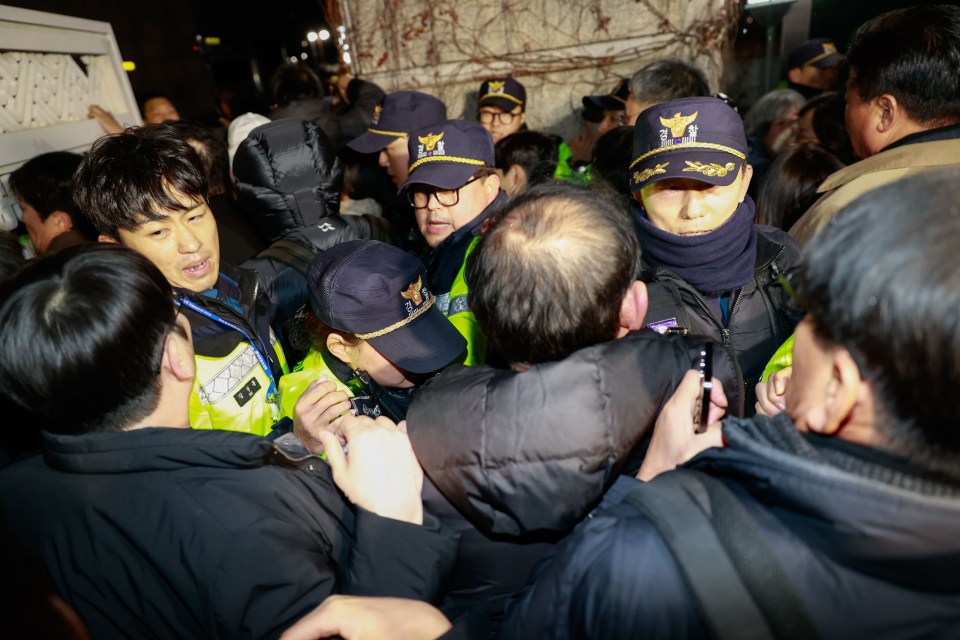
(515, 460)
(288, 187)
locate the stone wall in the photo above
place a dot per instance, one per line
(559, 49)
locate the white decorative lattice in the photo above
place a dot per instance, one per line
(45, 89)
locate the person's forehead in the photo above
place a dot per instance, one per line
(496, 109)
(157, 103)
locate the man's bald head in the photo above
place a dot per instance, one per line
(550, 275)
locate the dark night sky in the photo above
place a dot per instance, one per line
(159, 39)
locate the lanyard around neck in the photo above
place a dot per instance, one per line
(272, 395)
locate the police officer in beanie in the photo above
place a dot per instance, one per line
(709, 269)
(453, 187)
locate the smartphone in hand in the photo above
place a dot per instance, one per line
(702, 409)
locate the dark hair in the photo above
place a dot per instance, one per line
(829, 125)
(914, 55)
(665, 80)
(883, 281)
(45, 182)
(535, 152)
(88, 325)
(294, 82)
(549, 276)
(212, 150)
(11, 254)
(611, 161)
(130, 178)
(146, 96)
(790, 185)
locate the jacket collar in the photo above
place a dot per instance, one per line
(918, 154)
(155, 449)
(890, 520)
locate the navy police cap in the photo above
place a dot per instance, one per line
(396, 116)
(696, 138)
(446, 155)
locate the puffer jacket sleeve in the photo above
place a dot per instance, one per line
(530, 452)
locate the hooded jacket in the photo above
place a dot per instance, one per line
(868, 541)
(177, 533)
(288, 187)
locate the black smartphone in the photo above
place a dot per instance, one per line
(705, 367)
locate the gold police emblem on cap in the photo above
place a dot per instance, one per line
(376, 113)
(678, 123)
(413, 292)
(431, 140)
(496, 87)
(712, 169)
(646, 174)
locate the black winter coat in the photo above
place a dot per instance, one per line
(762, 315)
(176, 533)
(870, 544)
(515, 460)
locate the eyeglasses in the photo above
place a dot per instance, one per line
(503, 117)
(419, 198)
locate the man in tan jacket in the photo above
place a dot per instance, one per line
(903, 106)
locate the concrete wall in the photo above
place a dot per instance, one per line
(559, 49)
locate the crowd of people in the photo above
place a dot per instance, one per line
(351, 368)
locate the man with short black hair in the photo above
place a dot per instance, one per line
(525, 159)
(145, 189)
(660, 81)
(903, 106)
(43, 187)
(151, 529)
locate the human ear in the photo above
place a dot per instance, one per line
(633, 308)
(339, 348)
(888, 112)
(63, 220)
(519, 177)
(491, 185)
(105, 238)
(177, 359)
(745, 183)
(843, 392)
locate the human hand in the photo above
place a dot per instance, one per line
(317, 410)
(105, 119)
(770, 393)
(674, 438)
(343, 81)
(381, 474)
(584, 143)
(362, 617)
